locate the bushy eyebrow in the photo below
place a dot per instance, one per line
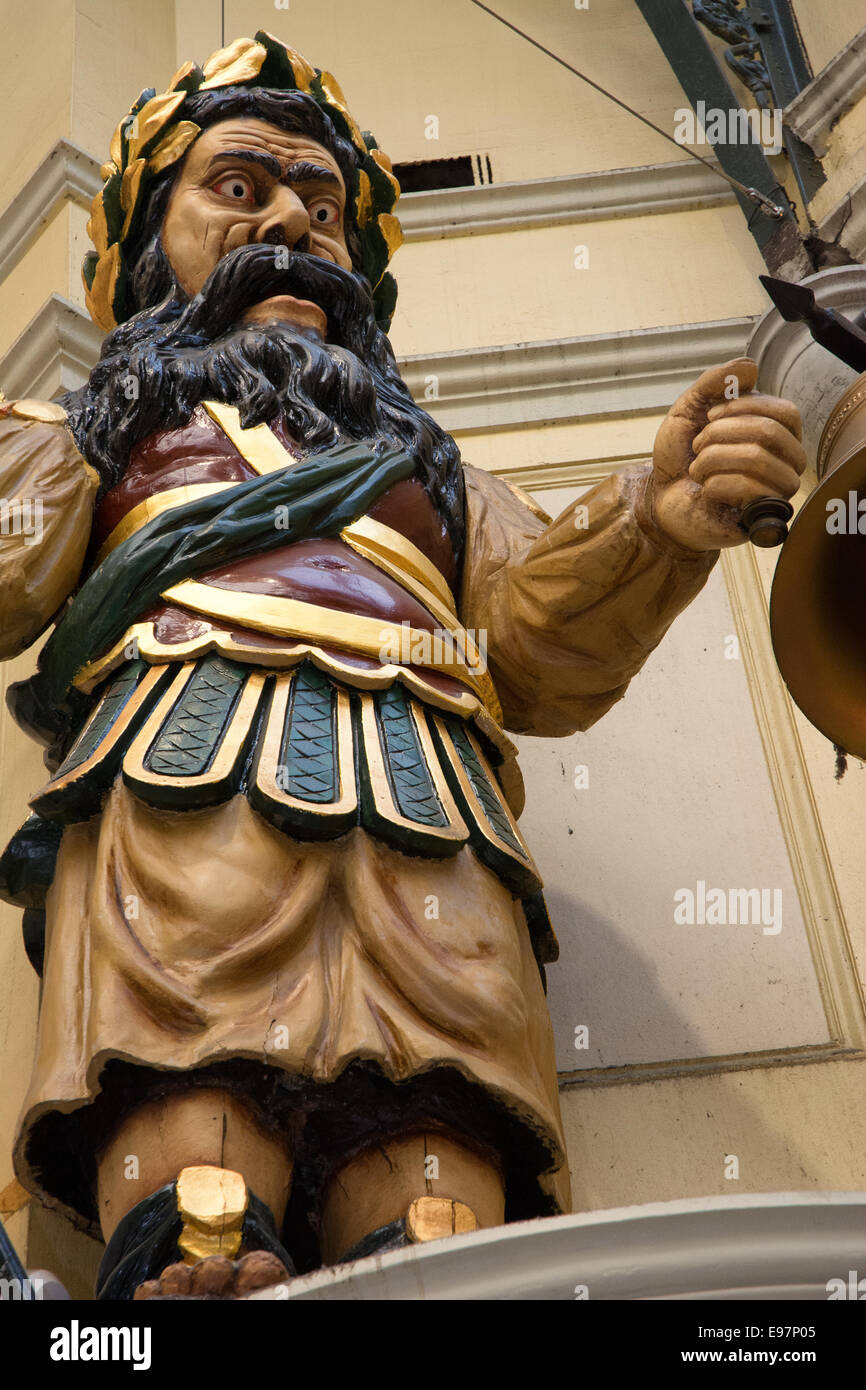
(302, 171)
(267, 161)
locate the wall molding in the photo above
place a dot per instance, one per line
(637, 372)
(631, 373)
(826, 928)
(847, 221)
(571, 473)
(68, 173)
(837, 87)
(55, 353)
(830, 945)
(823, 914)
(510, 207)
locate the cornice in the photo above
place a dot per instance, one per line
(630, 373)
(837, 87)
(55, 353)
(67, 173)
(847, 222)
(640, 371)
(510, 207)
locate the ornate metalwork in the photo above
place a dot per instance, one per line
(745, 56)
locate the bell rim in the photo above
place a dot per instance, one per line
(798, 630)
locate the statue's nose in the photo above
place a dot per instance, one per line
(276, 236)
(287, 222)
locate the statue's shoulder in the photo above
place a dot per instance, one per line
(46, 412)
(487, 491)
(36, 442)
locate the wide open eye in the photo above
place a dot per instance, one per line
(324, 213)
(236, 187)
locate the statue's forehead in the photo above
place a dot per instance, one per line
(247, 133)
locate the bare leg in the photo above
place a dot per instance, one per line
(380, 1185)
(184, 1129)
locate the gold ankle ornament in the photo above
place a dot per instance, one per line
(432, 1218)
(212, 1203)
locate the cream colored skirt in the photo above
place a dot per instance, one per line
(180, 939)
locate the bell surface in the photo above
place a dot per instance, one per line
(817, 600)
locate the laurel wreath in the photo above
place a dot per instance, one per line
(154, 135)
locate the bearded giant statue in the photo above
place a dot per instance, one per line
(294, 944)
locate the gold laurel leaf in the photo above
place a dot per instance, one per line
(130, 185)
(183, 71)
(238, 62)
(389, 226)
(386, 166)
(172, 146)
(364, 200)
(334, 94)
(150, 119)
(97, 227)
(115, 149)
(99, 299)
(304, 72)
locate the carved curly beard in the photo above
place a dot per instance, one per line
(155, 369)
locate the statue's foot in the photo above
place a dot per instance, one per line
(216, 1277)
(207, 1216)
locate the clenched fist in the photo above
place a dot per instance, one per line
(713, 456)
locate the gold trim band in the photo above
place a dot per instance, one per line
(384, 547)
(153, 507)
(289, 617)
(258, 445)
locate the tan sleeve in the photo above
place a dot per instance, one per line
(572, 608)
(47, 492)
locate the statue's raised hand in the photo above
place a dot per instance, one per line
(716, 451)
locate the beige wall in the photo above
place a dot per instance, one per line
(825, 28)
(702, 1046)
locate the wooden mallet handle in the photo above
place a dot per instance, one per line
(766, 521)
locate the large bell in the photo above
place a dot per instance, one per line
(818, 600)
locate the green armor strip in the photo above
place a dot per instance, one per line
(94, 759)
(309, 749)
(189, 738)
(495, 838)
(483, 788)
(408, 774)
(314, 758)
(193, 749)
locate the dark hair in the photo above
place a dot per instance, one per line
(152, 279)
(181, 351)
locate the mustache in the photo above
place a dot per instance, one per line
(249, 274)
(184, 351)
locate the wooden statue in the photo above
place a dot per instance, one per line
(293, 1008)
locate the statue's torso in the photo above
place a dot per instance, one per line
(318, 571)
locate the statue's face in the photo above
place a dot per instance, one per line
(246, 181)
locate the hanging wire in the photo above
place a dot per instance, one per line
(770, 208)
